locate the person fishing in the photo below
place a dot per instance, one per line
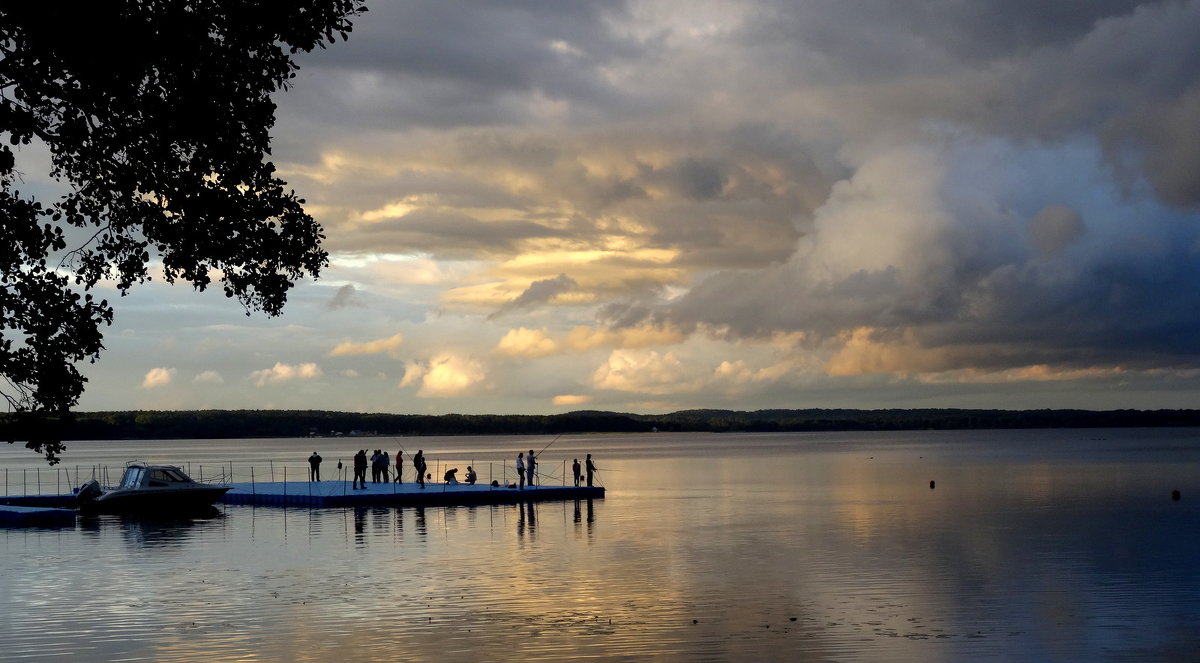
(419, 466)
(576, 470)
(360, 469)
(521, 469)
(591, 469)
(531, 467)
(400, 466)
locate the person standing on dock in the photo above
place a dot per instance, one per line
(575, 469)
(531, 467)
(314, 467)
(400, 466)
(386, 466)
(360, 469)
(376, 459)
(521, 469)
(591, 469)
(419, 466)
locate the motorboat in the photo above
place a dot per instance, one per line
(150, 488)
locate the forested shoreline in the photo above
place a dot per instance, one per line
(205, 424)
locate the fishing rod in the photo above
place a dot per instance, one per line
(551, 442)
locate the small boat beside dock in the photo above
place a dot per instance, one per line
(150, 489)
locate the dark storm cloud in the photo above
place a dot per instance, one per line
(343, 298)
(1115, 284)
(449, 235)
(760, 146)
(457, 63)
(538, 293)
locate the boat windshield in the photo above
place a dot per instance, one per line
(132, 477)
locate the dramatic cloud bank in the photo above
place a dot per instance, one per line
(648, 205)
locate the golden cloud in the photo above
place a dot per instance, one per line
(522, 342)
(284, 372)
(377, 346)
(157, 377)
(445, 376)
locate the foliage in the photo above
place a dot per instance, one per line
(155, 115)
(232, 424)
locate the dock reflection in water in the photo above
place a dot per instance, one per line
(1035, 546)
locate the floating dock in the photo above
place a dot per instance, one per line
(317, 494)
(56, 510)
(35, 516)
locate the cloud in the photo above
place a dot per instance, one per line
(388, 345)
(446, 375)
(285, 372)
(571, 399)
(538, 293)
(157, 377)
(1053, 228)
(522, 342)
(208, 377)
(927, 250)
(343, 298)
(647, 372)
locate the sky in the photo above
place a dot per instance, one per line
(542, 206)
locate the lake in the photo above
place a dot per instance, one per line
(1042, 545)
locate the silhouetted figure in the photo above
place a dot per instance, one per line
(419, 466)
(451, 475)
(531, 467)
(400, 466)
(577, 471)
(521, 469)
(591, 469)
(314, 467)
(360, 469)
(376, 463)
(471, 476)
(385, 466)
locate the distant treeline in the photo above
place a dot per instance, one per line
(301, 423)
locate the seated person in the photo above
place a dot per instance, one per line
(450, 476)
(471, 476)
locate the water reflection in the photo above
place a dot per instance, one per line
(757, 553)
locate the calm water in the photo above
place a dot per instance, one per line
(1034, 545)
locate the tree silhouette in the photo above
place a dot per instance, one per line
(155, 115)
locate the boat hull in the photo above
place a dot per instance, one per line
(155, 501)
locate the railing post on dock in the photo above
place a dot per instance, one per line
(285, 481)
(252, 480)
(24, 483)
(39, 477)
(230, 480)
(272, 462)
